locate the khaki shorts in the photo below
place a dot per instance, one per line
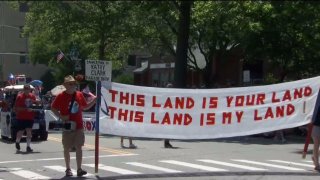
(72, 138)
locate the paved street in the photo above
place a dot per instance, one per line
(235, 158)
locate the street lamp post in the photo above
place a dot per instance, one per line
(74, 56)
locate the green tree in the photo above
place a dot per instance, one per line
(98, 29)
(286, 35)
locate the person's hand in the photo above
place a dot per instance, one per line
(64, 118)
(29, 109)
(93, 99)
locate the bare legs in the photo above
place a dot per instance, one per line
(19, 136)
(131, 145)
(66, 153)
(315, 157)
(79, 156)
(29, 136)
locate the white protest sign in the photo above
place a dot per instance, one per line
(98, 70)
(172, 113)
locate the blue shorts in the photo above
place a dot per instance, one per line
(22, 124)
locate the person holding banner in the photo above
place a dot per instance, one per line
(167, 141)
(68, 106)
(315, 134)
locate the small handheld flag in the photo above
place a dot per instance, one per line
(60, 56)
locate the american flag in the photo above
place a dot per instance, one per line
(60, 56)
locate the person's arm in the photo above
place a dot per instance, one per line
(89, 105)
(57, 113)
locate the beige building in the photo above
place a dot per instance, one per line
(13, 47)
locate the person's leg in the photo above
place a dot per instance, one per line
(121, 141)
(18, 139)
(29, 136)
(79, 142)
(20, 129)
(167, 143)
(283, 139)
(19, 136)
(67, 141)
(315, 156)
(316, 140)
(66, 153)
(79, 156)
(279, 136)
(131, 145)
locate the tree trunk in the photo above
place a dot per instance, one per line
(102, 47)
(180, 69)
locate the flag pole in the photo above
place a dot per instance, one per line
(98, 102)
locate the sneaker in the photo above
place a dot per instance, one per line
(81, 172)
(69, 172)
(132, 146)
(29, 149)
(122, 146)
(18, 146)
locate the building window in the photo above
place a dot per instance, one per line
(23, 7)
(24, 59)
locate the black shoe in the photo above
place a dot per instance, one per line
(132, 146)
(168, 145)
(69, 172)
(81, 172)
(18, 146)
(29, 149)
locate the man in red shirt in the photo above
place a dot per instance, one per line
(24, 115)
(68, 106)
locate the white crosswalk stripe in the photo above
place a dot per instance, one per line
(232, 165)
(292, 163)
(62, 169)
(113, 169)
(308, 161)
(148, 166)
(24, 173)
(181, 167)
(195, 166)
(270, 165)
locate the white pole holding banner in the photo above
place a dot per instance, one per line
(98, 70)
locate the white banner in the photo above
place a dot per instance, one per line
(206, 113)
